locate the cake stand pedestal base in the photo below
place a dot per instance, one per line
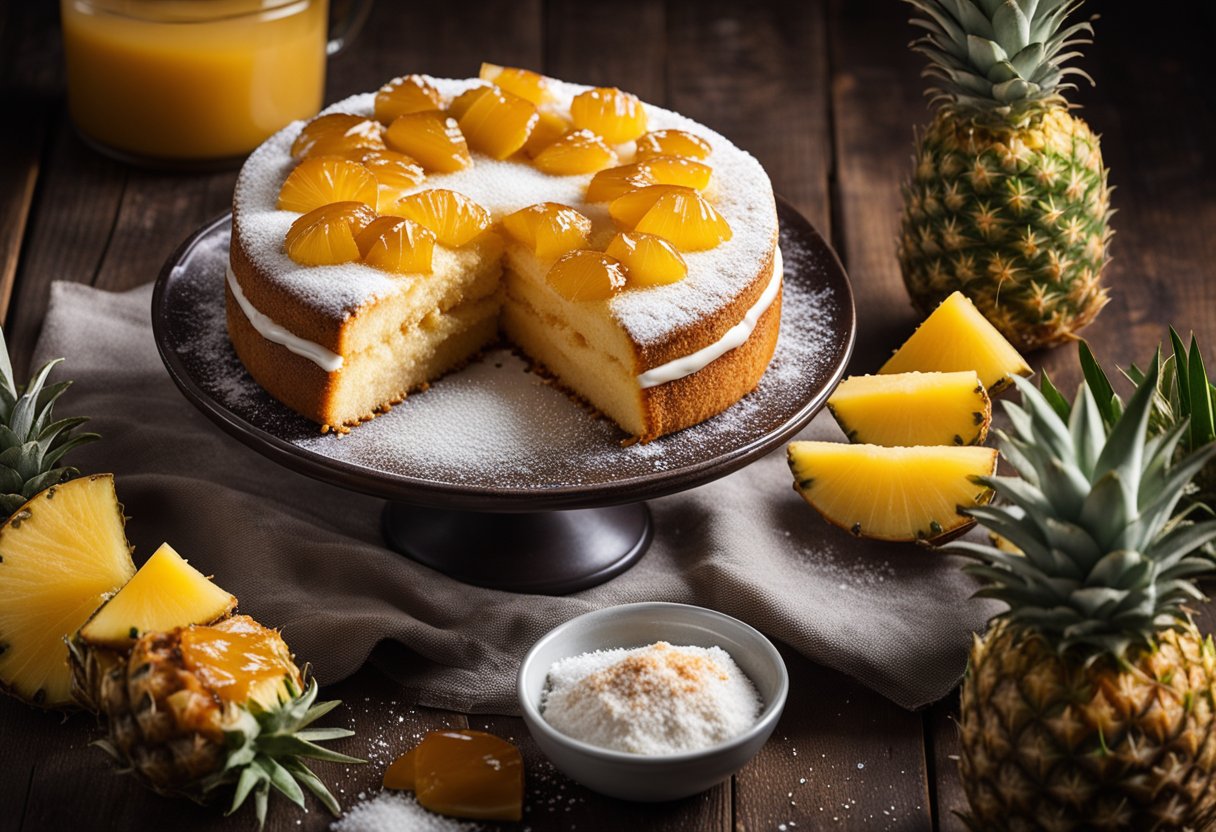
(545, 552)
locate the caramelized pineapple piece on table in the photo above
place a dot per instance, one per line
(464, 774)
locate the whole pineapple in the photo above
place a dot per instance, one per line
(1089, 704)
(203, 709)
(1008, 201)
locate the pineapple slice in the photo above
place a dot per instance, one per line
(892, 493)
(338, 134)
(528, 85)
(549, 229)
(956, 336)
(498, 123)
(671, 143)
(326, 236)
(649, 260)
(587, 275)
(395, 173)
(432, 138)
(397, 245)
(453, 217)
(63, 553)
(615, 115)
(549, 128)
(407, 94)
(609, 184)
(578, 152)
(674, 170)
(913, 408)
(317, 182)
(166, 592)
(676, 213)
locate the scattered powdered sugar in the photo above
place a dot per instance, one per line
(650, 700)
(396, 812)
(493, 424)
(741, 192)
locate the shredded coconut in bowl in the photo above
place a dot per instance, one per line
(651, 700)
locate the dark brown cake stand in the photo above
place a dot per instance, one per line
(493, 476)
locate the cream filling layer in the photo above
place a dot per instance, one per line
(673, 370)
(736, 336)
(327, 360)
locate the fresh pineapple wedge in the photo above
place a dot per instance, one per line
(61, 555)
(957, 337)
(913, 409)
(898, 494)
(166, 592)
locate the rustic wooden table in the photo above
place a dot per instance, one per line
(825, 94)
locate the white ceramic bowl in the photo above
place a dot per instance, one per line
(669, 776)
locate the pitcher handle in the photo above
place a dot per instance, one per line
(348, 20)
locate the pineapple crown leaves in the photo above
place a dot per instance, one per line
(999, 55)
(267, 748)
(31, 440)
(1104, 562)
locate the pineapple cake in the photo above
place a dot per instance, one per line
(1008, 200)
(1089, 703)
(626, 250)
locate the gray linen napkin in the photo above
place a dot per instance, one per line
(307, 556)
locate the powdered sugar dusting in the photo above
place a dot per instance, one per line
(494, 425)
(740, 191)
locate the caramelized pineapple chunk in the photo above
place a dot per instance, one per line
(671, 143)
(628, 209)
(432, 138)
(397, 245)
(453, 217)
(684, 218)
(407, 94)
(326, 236)
(549, 229)
(549, 128)
(338, 134)
(609, 184)
(396, 175)
(317, 182)
(586, 275)
(578, 152)
(615, 115)
(529, 85)
(648, 260)
(498, 123)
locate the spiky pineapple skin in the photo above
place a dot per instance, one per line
(1014, 215)
(1049, 744)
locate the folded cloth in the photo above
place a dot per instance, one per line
(308, 557)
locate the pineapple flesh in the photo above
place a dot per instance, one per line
(1090, 702)
(166, 592)
(913, 409)
(61, 555)
(897, 494)
(957, 337)
(1008, 201)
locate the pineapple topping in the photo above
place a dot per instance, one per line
(587, 275)
(338, 134)
(957, 337)
(61, 555)
(432, 138)
(892, 493)
(404, 95)
(615, 115)
(649, 260)
(913, 409)
(464, 774)
(577, 152)
(318, 182)
(497, 123)
(549, 229)
(451, 216)
(326, 236)
(166, 592)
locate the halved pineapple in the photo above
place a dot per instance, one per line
(165, 593)
(338, 134)
(395, 173)
(453, 217)
(648, 260)
(317, 182)
(497, 123)
(407, 94)
(525, 83)
(913, 409)
(956, 336)
(676, 213)
(549, 128)
(577, 152)
(892, 493)
(586, 275)
(549, 229)
(397, 245)
(432, 138)
(671, 143)
(326, 235)
(61, 555)
(614, 114)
